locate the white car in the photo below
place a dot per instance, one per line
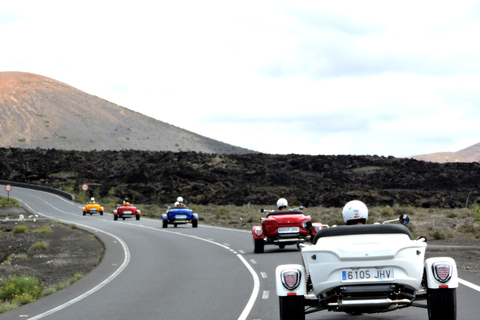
(367, 269)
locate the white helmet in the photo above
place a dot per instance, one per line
(282, 202)
(92, 199)
(179, 199)
(355, 211)
(176, 204)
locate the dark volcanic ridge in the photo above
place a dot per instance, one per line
(330, 181)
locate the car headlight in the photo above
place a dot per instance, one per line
(442, 271)
(291, 278)
(258, 232)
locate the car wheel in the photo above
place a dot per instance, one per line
(175, 225)
(123, 218)
(84, 213)
(292, 307)
(165, 224)
(137, 217)
(442, 304)
(115, 217)
(101, 213)
(281, 246)
(259, 245)
(194, 223)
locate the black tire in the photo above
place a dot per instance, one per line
(137, 217)
(90, 213)
(123, 218)
(115, 217)
(194, 223)
(175, 225)
(292, 308)
(282, 246)
(442, 304)
(259, 245)
(164, 224)
(84, 213)
(101, 213)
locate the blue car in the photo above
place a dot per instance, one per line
(178, 216)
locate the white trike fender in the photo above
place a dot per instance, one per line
(441, 272)
(164, 216)
(291, 280)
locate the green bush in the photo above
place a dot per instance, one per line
(43, 229)
(6, 203)
(39, 245)
(23, 289)
(20, 229)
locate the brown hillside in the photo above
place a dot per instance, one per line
(39, 112)
(470, 154)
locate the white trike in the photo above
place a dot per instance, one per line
(367, 269)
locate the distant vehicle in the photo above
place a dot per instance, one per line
(367, 269)
(281, 228)
(92, 208)
(126, 211)
(179, 215)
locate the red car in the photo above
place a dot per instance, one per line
(281, 228)
(126, 211)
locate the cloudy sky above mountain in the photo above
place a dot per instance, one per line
(382, 77)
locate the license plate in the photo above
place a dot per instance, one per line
(371, 274)
(289, 230)
(127, 212)
(93, 209)
(180, 216)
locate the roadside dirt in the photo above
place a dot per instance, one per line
(70, 250)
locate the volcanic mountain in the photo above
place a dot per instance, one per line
(470, 154)
(39, 112)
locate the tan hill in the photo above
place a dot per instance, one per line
(39, 112)
(470, 154)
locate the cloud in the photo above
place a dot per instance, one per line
(349, 77)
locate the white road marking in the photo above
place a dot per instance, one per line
(469, 284)
(241, 251)
(264, 275)
(99, 286)
(266, 294)
(253, 261)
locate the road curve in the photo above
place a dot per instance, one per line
(180, 273)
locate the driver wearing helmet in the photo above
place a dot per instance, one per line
(355, 212)
(179, 202)
(125, 202)
(282, 204)
(92, 200)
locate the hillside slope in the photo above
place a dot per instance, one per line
(39, 112)
(470, 154)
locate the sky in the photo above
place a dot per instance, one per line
(387, 78)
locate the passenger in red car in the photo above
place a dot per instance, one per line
(282, 204)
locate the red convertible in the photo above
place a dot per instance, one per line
(284, 227)
(126, 211)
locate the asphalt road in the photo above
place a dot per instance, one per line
(180, 273)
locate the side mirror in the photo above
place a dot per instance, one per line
(262, 210)
(404, 219)
(301, 208)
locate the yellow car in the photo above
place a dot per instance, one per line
(92, 208)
